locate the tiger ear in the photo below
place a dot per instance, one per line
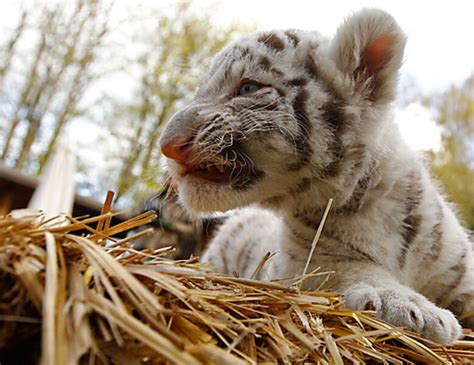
(368, 48)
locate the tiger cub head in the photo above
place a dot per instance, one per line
(278, 107)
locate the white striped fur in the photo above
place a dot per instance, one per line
(318, 124)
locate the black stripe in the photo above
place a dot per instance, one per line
(299, 237)
(436, 236)
(357, 199)
(246, 181)
(294, 39)
(332, 113)
(301, 142)
(272, 106)
(310, 65)
(460, 270)
(308, 220)
(298, 81)
(271, 40)
(348, 243)
(264, 63)
(412, 221)
(274, 201)
(333, 168)
(244, 52)
(303, 185)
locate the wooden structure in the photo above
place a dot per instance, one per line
(16, 191)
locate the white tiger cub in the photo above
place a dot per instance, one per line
(287, 120)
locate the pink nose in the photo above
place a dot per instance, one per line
(176, 149)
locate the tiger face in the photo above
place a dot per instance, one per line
(279, 107)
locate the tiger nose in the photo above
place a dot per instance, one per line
(176, 149)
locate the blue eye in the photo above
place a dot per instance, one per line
(248, 88)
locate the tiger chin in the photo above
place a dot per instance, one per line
(285, 121)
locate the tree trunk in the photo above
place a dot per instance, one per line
(126, 178)
(10, 49)
(28, 142)
(25, 95)
(80, 79)
(52, 143)
(34, 124)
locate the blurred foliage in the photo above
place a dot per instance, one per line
(47, 64)
(454, 164)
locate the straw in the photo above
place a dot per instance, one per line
(94, 303)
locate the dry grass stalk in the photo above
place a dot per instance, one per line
(317, 236)
(96, 300)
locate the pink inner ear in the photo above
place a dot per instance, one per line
(376, 54)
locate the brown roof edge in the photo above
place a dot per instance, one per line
(18, 177)
(31, 182)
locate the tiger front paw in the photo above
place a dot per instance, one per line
(408, 309)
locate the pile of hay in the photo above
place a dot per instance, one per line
(90, 299)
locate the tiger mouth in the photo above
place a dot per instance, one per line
(215, 172)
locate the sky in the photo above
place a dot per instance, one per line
(439, 50)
